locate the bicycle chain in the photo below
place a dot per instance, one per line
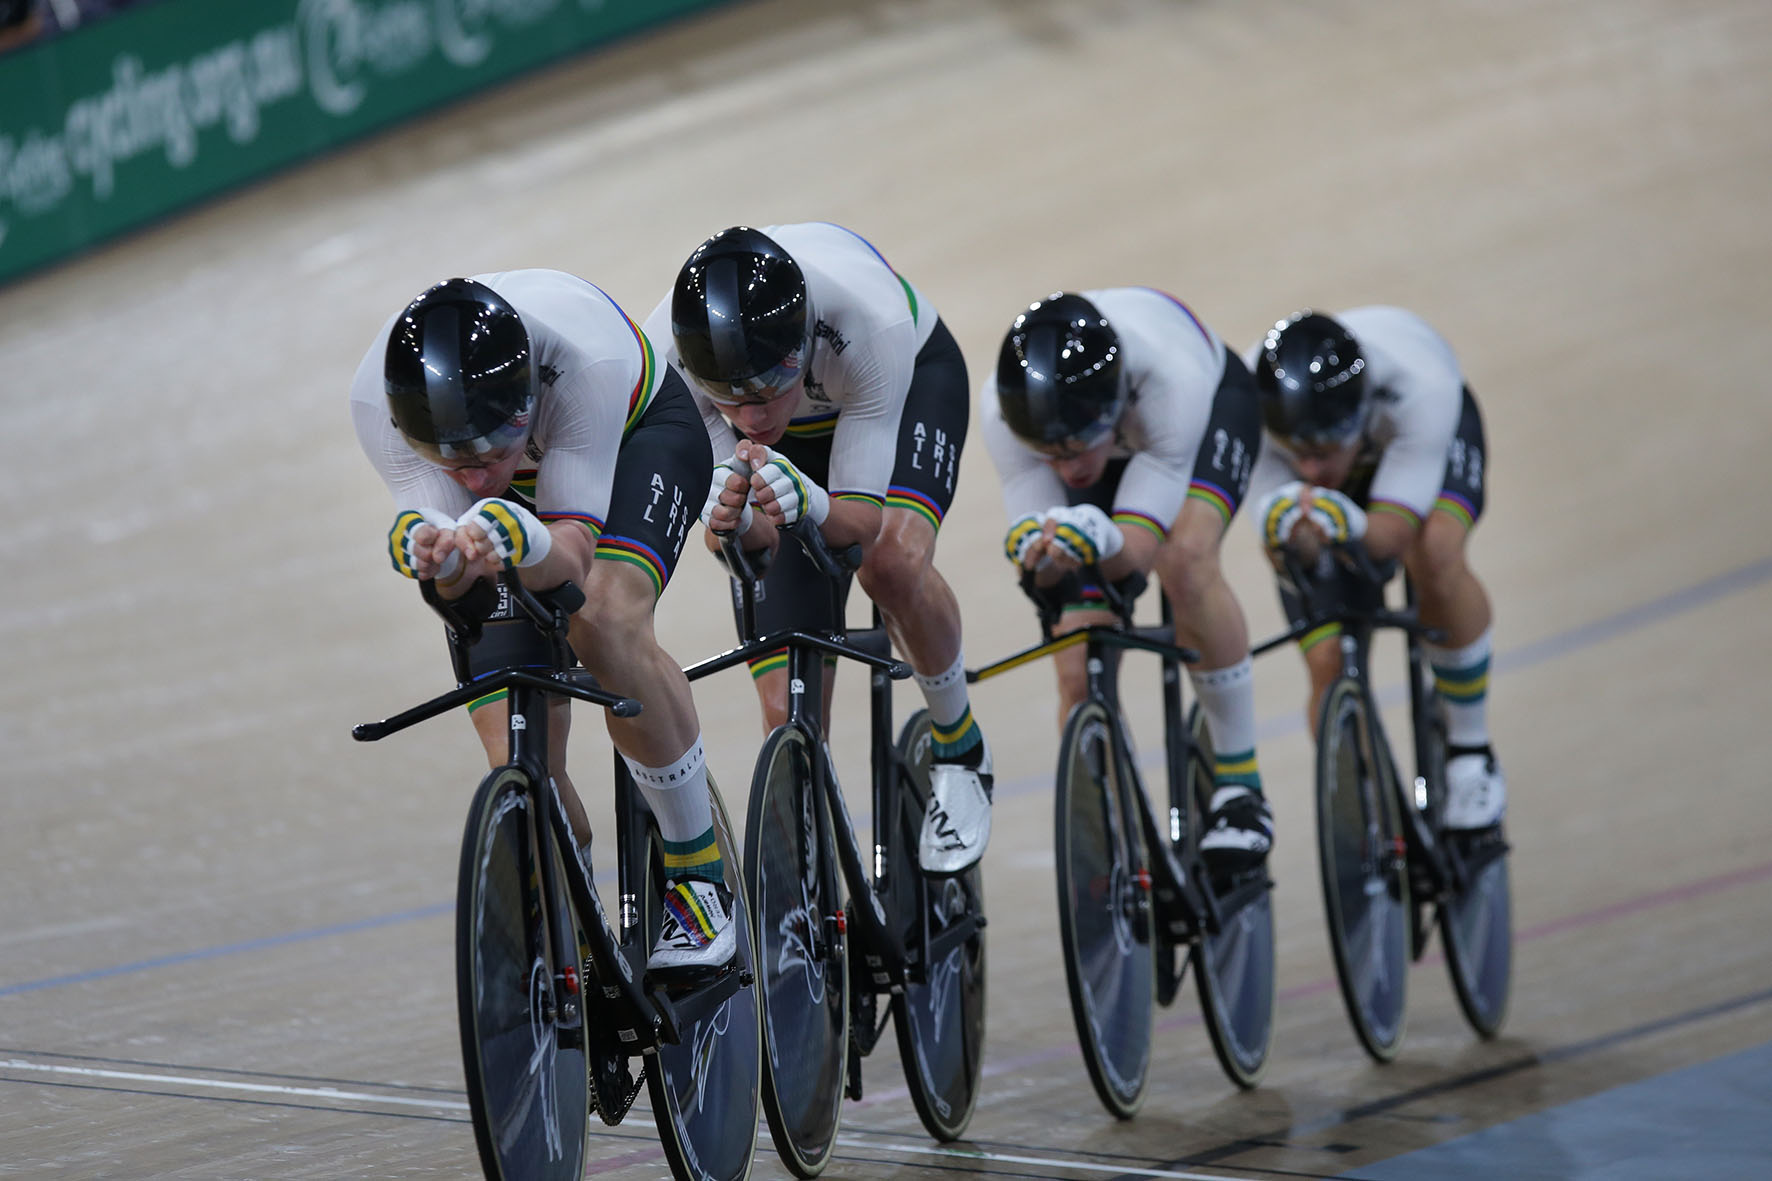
(608, 1073)
(613, 1113)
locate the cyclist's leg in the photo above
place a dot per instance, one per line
(1084, 603)
(920, 609)
(664, 463)
(1208, 618)
(793, 595)
(1320, 646)
(1238, 830)
(1452, 599)
(491, 719)
(770, 676)
(505, 641)
(1071, 664)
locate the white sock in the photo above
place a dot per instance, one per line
(950, 711)
(1227, 698)
(1462, 677)
(946, 693)
(678, 795)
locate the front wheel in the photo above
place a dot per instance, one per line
(1234, 966)
(1104, 909)
(705, 1088)
(522, 1028)
(940, 1014)
(802, 969)
(1365, 868)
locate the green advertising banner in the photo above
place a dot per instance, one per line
(140, 114)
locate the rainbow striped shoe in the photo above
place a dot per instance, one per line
(698, 931)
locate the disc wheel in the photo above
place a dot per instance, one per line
(705, 1088)
(940, 1014)
(802, 977)
(1104, 913)
(1233, 967)
(1364, 868)
(522, 1034)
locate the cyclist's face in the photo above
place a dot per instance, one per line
(1326, 465)
(764, 422)
(1082, 469)
(485, 479)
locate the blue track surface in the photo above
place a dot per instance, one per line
(1713, 1120)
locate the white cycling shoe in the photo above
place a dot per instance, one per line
(698, 931)
(1476, 791)
(957, 825)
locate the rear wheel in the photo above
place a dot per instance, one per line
(802, 978)
(1476, 922)
(1477, 925)
(1364, 867)
(940, 1014)
(522, 1030)
(705, 1088)
(1104, 912)
(1234, 967)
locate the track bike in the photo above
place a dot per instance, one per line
(1136, 905)
(555, 1004)
(824, 964)
(1391, 869)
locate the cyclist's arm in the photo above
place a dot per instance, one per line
(573, 483)
(872, 378)
(1408, 479)
(414, 484)
(1424, 394)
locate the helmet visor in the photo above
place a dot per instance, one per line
(1338, 432)
(1076, 444)
(499, 444)
(781, 378)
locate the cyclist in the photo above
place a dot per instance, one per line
(1124, 432)
(521, 418)
(814, 362)
(1373, 432)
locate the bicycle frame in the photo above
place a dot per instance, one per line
(889, 963)
(640, 1015)
(1437, 869)
(1183, 907)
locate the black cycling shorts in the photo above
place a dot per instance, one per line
(1461, 496)
(662, 473)
(931, 435)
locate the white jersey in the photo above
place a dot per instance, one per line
(1172, 365)
(1417, 396)
(869, 324)
(597, 374)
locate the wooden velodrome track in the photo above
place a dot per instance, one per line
(225, 932)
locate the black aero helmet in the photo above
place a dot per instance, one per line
(1312, 381)
(460, 378)
(1058, 375)
(738, 315)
